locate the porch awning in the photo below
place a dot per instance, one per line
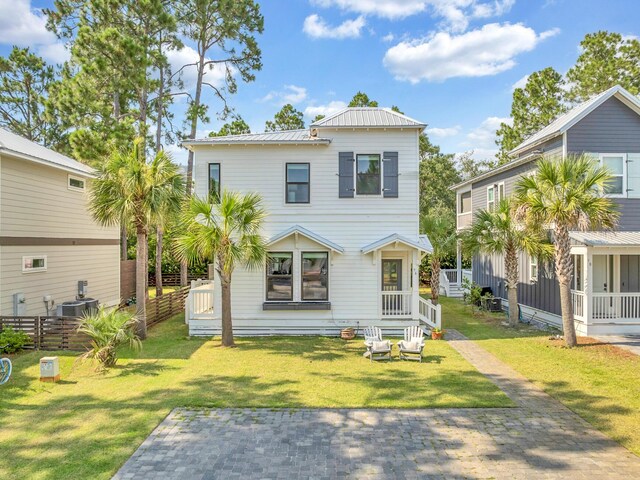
(606, 239)
(298, 230)
(421, 242)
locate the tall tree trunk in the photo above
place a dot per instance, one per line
(227, 325)
(141, 281)
(159, 235)
(123, 243)
(564, 272)
(435, 279)
(511, 267)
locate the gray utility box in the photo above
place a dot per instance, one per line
(72, 309)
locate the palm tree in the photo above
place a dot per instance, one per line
(227, 233)
(498, 232)
(439, 226)
(139, 192)
(566, 194)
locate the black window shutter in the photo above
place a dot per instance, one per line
(346, 168)
(390, 184)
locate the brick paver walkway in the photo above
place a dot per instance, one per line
(540, 438)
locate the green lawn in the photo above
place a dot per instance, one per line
(599, 382)
(165, 289)
(87, 425)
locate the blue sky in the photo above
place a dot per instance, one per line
(449, 63)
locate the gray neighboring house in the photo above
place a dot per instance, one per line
(606, 280)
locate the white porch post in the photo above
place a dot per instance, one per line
(459, 262)
(588, 286)
(415, 282)
(377, 260)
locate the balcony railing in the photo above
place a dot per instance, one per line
(464, 220)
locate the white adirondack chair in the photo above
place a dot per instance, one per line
(377, 349)
(411, 347)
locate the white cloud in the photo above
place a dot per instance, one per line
(482, 139)
(25, 26)
(456, 14)
(388, 37)
(520, 83)
(187, 55)
(486, 51)
(443, 132)
(316, 27)
(330, 108)
(290, 94)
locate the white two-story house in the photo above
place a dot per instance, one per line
(342, 226)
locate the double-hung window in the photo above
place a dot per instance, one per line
(315, 276)
(368, 175)
(617, 166)
(280, 276)
(491, 198)
(298, 184)
(533, 268)
(214, 181)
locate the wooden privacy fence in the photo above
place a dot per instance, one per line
(166, 306)
(49, 332)
(172, 279)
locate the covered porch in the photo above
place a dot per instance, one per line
(606, 282)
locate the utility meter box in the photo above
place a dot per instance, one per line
(49, 369)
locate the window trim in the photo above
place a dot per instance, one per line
(500, 196)
(534, 264)
(355, 175)
(327, 253)
(266, 277)
(37, 269)
(459, 206)
(79, 179)
(287, 182)
(624, 173)
(219, 192)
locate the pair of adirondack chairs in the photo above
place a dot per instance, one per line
(410, 348)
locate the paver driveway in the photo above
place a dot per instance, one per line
(538, 439)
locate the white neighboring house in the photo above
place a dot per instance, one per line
(48, 240)
(343, 226)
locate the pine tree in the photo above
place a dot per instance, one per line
(288, 118)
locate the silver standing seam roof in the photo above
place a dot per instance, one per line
(309, 234)
(607, 239)
(20, 147)
(421, 243)
(359, 117)
(290, 136)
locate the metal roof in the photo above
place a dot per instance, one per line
(422, 243)
(573, 116)
(361, 117)
(20, 147)
(297, 229)
(288, 136)
(607, 239)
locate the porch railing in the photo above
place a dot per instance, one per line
(465, 220)
(611, 307)
(200, 300)
(577, 299)
(429, 313)
(451, 275)
(396, 303)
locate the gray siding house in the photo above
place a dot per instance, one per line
(606, 281)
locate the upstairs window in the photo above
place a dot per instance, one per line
(616, 164)
(298, 187)
(76, 183)
(491, 198)
(368, 179)
(214, 181)
(533, 269)
(280, 276)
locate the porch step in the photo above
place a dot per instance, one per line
(455, 292)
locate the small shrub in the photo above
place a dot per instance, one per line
(472, 292)
(109, 329)
(12, 341)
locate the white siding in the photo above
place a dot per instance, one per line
(99, 265)
(36, 202)
(354, 278)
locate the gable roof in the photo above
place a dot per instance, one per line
(20, 147)
(368, 117)
(300, 137)
(607, 238)
(297, 229)
(421, 243)
(566, 121)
